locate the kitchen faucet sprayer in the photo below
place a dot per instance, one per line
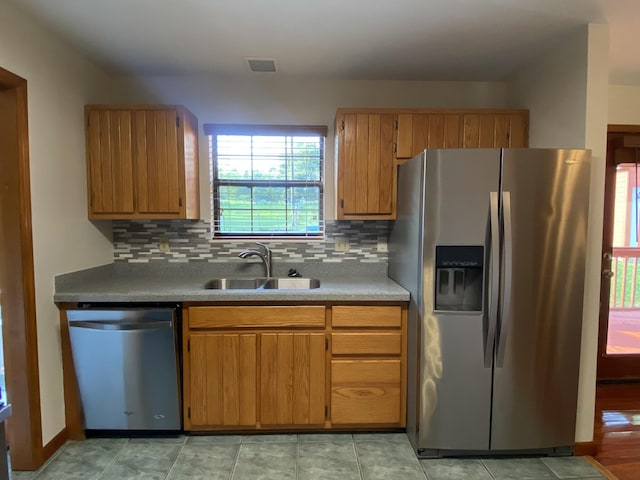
(265, 256)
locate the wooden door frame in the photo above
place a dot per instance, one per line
(625, 363)
(24, 427)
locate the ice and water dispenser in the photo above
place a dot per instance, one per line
(459, 275)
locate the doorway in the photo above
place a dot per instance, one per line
(619, 330)
(17, 291)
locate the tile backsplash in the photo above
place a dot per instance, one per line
(138, 241)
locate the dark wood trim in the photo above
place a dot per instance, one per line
(585, 448)
(186, 371)
(607, 242)
(72, 404)
(55, 443)
(10, 80)
(621, 367)
(616, 128)
(24, 427)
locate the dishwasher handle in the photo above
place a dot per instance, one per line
(119, 325)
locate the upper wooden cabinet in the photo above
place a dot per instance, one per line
(292, 378)
(142, 162)
(437, 130)
(372, 142)
(461, 129)
(366, 180)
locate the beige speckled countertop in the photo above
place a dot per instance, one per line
(184, 283)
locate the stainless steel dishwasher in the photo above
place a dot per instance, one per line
(126, 362)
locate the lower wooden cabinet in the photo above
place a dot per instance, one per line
(366, 391)
(368, 360)
(222, 379)
(244, 370)
(292, 378)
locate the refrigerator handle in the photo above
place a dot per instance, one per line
(505, 300)
(494, 277)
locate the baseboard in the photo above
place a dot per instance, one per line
(54, 444)
(582, 449)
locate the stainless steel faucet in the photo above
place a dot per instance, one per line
(265, 256)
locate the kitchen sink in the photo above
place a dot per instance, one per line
(235, 283)
(293, 283)
(283, 283)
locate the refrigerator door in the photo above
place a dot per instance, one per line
(538, 343)
(455, 382)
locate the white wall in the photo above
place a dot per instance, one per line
(553, 88)
(596, 140)
(271, 99)
(624, 104)
(566, 93)
(59, 83)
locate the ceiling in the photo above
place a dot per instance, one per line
(340, 39)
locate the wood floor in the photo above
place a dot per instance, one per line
(617, 429)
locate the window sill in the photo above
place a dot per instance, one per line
(288, 239)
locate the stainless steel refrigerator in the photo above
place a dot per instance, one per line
(491, 245)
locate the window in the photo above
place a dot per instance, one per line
(267, 180)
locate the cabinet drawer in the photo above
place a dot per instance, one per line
(365, 391)
(363, 316)
(385, 343)
(257, 317)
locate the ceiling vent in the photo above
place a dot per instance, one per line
(262, 64)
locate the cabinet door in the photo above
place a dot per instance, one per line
(292, 378)
(478, 130)
(109, 162)
(157, 159)
(495, 130)
(366, 166)
(512, 130)
(365, 391)
(417, 131)
(142, 162)
(222, 379)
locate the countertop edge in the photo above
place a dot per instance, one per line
(113, 283)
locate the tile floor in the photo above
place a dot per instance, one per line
(283, 457)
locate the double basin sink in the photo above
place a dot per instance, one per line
(273, 283)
